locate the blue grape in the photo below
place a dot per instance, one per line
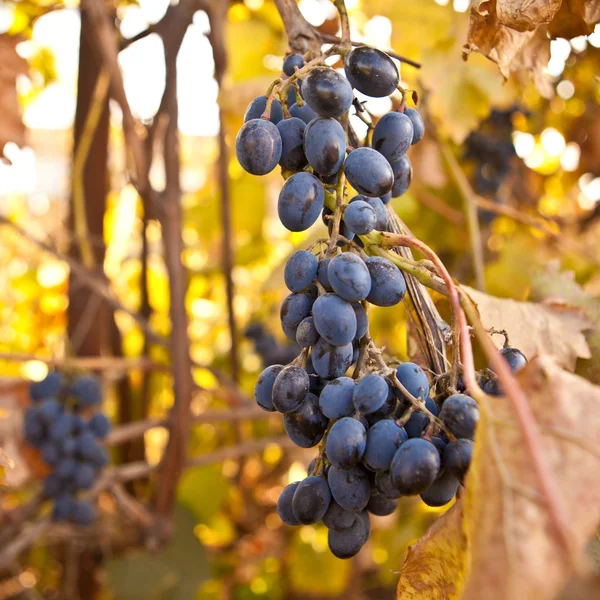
(292, 144)
(83, 513)
(378, 206)
(393, 135)
(371, 72)
(386, 198)
(61, 428)
(291, 62)
(78, 425)
(311, 500)
(363, 515)
(307, 334)
(304, 113)
(334, 318)
(34, 429)
(349, 277)
(388, 286)
(402, 170)
(316, 383)
(362, 320)
(457, 457)
(257, 107)
(336, 398)
(386, 410)
(322, 276)
(84, 476)
(418, 125)
(413, 378)
(99, 425)
(360, 218)
(380, 506)
(492, 387)
(306, 426)
(87, 390)
(346, 543)
(418, 421)
(284, 504)
(383, 440)
(327, 92)
(49, 410)
(66, 468)
(49, 387)
(338, 518)
(368, 172)
(385, 487)
(99, 457)
(331, 361)
(258, 146)
(346, 443)
(294, 309)
(325, 145)
(370, 393)
(515, 358)
(344, 231)
(300, 201)
(50, 453)
(350, 488)
(52, 486)
(86, 445)
(300, 270)
(63, 507)
(441, 491)
(68, 446)
(460, 414)
(415, 466)
(290, 389)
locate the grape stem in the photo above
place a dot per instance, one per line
(337, 216)
(345, 23)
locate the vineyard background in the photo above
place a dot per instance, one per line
(162, 271)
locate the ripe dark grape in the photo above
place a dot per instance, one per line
(257, 107)
(290, 389)
(311, 500)
(325, 145)
(300, 201)
(383, 440)
(415, 466)
(418, 125)
(385, 487)
(344, 231)
(66, 468)
(402, 170)
(370, 393)
(413, 378)
(362, 320)
(331, 361)
(322, 276)
(84, 476)
(350, 488)
(388, 286)
(492, 387)
(99, 425)
(291, 62)
(294, 309)
(369, 172)
(338, 518)
(346, 443)
(258, 146)
(52, 485)
(61, 427)
(371, 72)
(336, 398)
(441, 491)
(49, 387)
(49, 411)
(263, 390)
(515, 358)
(292, 144)
(349, 277)
(34, 427)
(346, 543)
(393, 135)
(300, 270)
(83, 513)
(284, 504)
(379, 207)
(327, 92)
(64, 507)
(418, 421)
(386, 198)
(380, 506)
(304, 113)
(360, 218)
(460, 414)
(334, 318)
(51, 453)
(307, 334)
(457, 457)
(306, 426)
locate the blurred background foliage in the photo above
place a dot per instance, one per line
(531, 159)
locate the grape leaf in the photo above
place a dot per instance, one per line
(554, 329)
(434, 567)
(526, 16)
(510, 549)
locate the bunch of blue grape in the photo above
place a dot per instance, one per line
(66, 424)
(268, 348)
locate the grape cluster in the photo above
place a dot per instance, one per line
(268, 348)
(65, 423)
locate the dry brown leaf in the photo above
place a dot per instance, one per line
(434, 567)
(575, 17)
(526, 16)
(510, 550)
(551, 329)
(11, 65)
